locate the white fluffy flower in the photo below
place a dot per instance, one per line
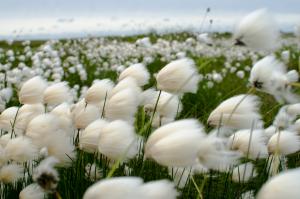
(179, 76)
(45, 131)
(269, 75)
(45, 174)
(86, 116)
(257, 30)
(127, 83)
(175, 144)
(243, 172)
(57, 94)
(284, 142)
(131, 188)
(32, 91)
(20, 149)
(238, 112)
(167, 107)
(32, 191)
(284, 185)
(89, 137)
(122, 105)
(11, 173)
(26, 113)
(118, 140)
(137, 71)
(7, 118)
(249, 142)
(98, 91)
(214, 154)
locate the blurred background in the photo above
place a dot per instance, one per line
(46, 19)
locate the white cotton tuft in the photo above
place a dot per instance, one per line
(175, 144)
(32, 91)
(45, 131)
(26, 113)
(160, 189)
(214, 154)
(86, 116)
(249, 142)
(99, 90)
(46, 175)
(270, 75)
(7, 118)
(257, 30)
(167, 108)
(21, 149)
(238, 112)
(283, 185)
(32, 191)
(282, 119)
(122, 105)
(57, 94)
(89, 137)
(62, 110)
(131, 188)
(271, 130)
(42, 125)
(11, 173)
(118, 187)
(138, 72)
(118, 140)
(284, 142)
(178, 76)
(243, 173)
(127, 83)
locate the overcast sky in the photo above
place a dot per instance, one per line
(73, 8)
(32, 16)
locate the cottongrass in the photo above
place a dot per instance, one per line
(238, 112)
(131, 188)
(284, 185)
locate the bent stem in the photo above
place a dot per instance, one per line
(199, 189)
(295, 84)
(153, 114)
(103, 109)
(14, 123)
(250, 91)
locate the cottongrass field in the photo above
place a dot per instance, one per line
(152, 116)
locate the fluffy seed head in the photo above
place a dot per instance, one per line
(118, 140)
(45, 174)
(32, 91)
(257, 30)
(284, 185)
(57, 94)
(179, 76)
(7, 118)
(89, 137)
(249, 142)
(238, 112)
(137, 71)
(175, 144)
(97, 92)
(32, 191)
(243, 172)
(11, 173)
(21, 149)
(284, 142)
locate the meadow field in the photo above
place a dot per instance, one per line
(223, 72)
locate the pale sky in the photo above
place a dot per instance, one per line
(29, 17)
